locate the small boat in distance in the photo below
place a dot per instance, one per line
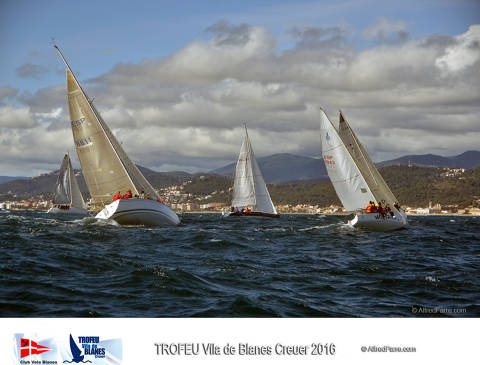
(250, 194)
(68, 199)
(356, 180)
(107, 168)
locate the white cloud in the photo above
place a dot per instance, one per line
(463, 54)
(11, 117)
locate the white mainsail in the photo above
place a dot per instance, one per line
(67, 190)
(249, 188)
(106, 167)
(350, 186)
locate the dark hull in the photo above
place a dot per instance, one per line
(253, 214)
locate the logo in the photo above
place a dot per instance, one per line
(77, 353)
(29, 347)
(66, 349)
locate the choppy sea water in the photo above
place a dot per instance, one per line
(295, 266)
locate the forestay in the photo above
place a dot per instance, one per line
(350, 186)
(106, 167)
(249, 188)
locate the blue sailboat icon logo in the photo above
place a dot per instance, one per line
(76, 353)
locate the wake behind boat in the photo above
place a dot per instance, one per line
(356, 180)
(106, 166)
(250, 193)
(68, 198)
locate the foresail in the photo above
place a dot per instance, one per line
(346, 178)
(264, 202)
(62, 187)
(372, 176)
(76, 196)
(243, 186)
(106, 167)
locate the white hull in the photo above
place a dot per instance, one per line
(77, 211)
(377, 222)
(144, 212)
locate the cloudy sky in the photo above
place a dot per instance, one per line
(176, 80)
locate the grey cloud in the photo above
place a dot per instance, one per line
(438, 41)
(185, 111)
(29, 70)
(316, 34)
(228, 34)
(387, 31)
(7, 92)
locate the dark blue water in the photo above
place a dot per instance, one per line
(295, 266)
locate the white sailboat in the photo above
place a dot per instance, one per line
(107, 168)
(250, 194)
(68, 198)
(356, 179)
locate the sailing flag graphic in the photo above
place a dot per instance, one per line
(29, 347)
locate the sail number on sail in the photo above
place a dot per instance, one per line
(78, 123)
(84, 142)
(328, 160)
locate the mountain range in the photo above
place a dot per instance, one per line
(466, 160)
(285, 168)
(4, 179)
(276, 169)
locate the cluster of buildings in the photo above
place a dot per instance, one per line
(181, 201)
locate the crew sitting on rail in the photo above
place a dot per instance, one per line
(388, 210)
(380, 208)
(117, 196)
(128, 195)
(248, 210)
(370, 207)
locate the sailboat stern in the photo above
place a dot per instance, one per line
(144, 212)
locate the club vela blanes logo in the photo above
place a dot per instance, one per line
(29, 347)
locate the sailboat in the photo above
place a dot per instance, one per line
(250, 194)
(68, 198)
(107, 168)
(355, 178)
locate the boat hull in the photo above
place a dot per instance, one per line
(378, 222)
(251, 214)
(76, 211)
(143, 212)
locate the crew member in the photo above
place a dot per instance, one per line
(128, 195)
(117, 196)
(369, 208)
(388, 210)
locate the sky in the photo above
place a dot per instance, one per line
(175, 81)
